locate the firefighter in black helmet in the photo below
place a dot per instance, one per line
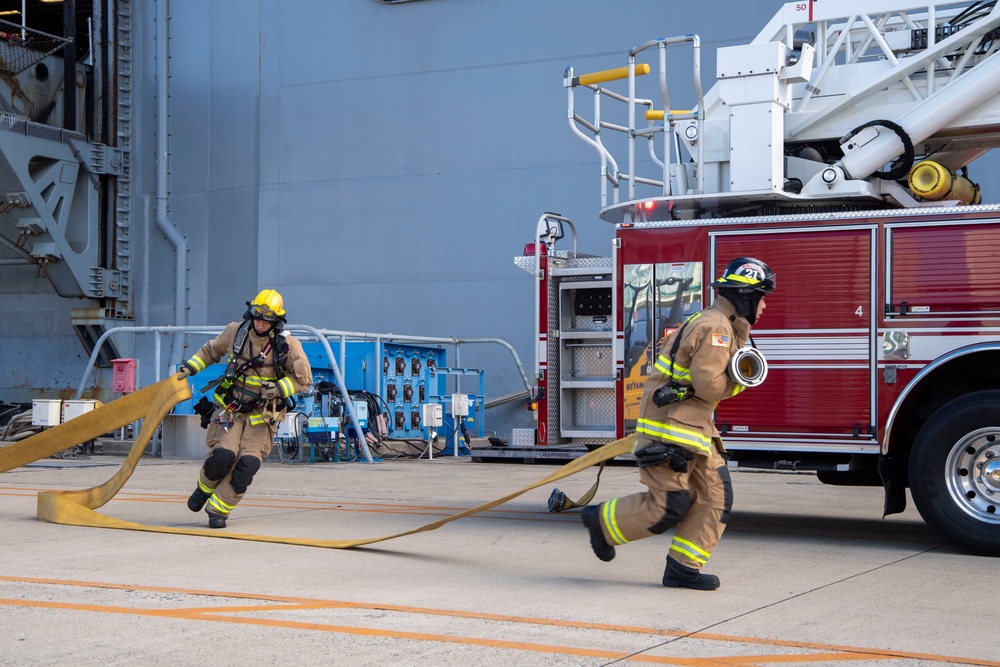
(266, 368)
(680, 454)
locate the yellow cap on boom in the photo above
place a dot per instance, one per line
(934, 182)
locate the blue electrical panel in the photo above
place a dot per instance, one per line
(404, 386)
(411, 375)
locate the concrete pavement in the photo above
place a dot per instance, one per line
(810, 574)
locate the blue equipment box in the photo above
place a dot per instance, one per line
(397, 378)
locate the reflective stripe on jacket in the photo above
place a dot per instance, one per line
(710, 338)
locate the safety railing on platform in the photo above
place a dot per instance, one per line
(304, 332)
(22, 47)
(672, 157)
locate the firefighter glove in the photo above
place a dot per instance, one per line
(269, 391)
(658, 453)
(185, 370)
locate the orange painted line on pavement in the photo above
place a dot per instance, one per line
(813, 657)
(370, 632)
(280, 502)
(341, 506)
(518, 515)
(315, 603)
(436, 510)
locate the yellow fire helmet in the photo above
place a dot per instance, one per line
(267, 306)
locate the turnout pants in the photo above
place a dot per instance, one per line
(697, 502)
(249, 446)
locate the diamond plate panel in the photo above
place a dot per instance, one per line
(552, 357)
(593, 407)
(590, 360)
(590, 323)
(523, 437)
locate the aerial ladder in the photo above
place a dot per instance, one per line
(831, 104)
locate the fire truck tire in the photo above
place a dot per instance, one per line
(954, 472)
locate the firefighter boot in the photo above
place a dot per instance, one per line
(591, 518)
(677, 576)
(215, 519)
(198, 499)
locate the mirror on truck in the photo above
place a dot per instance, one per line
(553, 231)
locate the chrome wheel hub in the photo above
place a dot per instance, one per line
(973, 474)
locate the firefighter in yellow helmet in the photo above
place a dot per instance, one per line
(682, 461)
(265, 369)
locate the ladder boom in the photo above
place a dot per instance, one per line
(810, 112)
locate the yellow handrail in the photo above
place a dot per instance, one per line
(609, 75)
(658, 114)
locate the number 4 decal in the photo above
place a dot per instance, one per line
(860, 312)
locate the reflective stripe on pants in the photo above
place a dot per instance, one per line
(630, 518)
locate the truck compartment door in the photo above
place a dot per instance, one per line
(816, 334)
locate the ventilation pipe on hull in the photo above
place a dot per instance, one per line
(162, 168)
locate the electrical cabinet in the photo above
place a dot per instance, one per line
(46, 412)
(72, 409)
(397, 374)
(405, 370)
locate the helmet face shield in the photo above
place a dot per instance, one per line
(259, 312)
(768, 284)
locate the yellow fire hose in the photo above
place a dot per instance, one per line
(152, 404)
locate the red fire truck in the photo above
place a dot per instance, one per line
(835, 147)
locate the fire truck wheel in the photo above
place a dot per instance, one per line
(955, 472)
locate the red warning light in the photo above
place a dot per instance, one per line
(648, 205)
(529, 249)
